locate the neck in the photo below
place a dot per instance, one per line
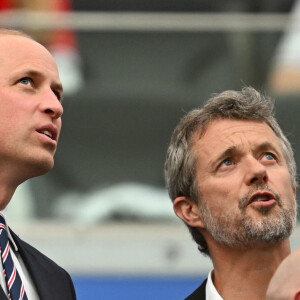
(245, 273)
(9, 181)
(6, 193)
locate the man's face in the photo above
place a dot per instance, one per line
(246, 194)
(30, 108)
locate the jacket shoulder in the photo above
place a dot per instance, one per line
(30, 253)
(199, 293)
(45, 273)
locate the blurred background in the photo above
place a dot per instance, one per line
(131, 69)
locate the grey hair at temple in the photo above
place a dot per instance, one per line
(180, 165)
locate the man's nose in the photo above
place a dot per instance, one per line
(51, 105)
(255, 171)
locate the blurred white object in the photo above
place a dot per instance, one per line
(21, 207)
(284, 77)
(70, 71)
(127, 200)
(287, 53)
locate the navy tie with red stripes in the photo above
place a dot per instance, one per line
(13, 281)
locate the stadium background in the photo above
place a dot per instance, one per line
(102, 212)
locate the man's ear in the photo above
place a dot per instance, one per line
(188, 211)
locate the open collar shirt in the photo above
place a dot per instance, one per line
(210, 290)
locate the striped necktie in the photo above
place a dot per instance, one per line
(13, 281)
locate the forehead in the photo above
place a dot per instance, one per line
(222, 134)
(18, 51)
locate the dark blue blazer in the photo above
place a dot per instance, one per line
(199, 293)
(50, 280)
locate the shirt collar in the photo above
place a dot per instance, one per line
(12, 242)
(210, 290)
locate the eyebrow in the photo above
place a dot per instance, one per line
(230, 151)
(55, 86)
(266, 146)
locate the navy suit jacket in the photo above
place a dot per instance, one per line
(51, 281)
(199, 293)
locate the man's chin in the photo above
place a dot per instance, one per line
(40, 167)
(263, 210)
(255, 228)
(270, 228)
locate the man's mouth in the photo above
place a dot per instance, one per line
(262, 199)
(49, 131)
(46, 132)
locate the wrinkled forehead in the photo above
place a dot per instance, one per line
(225, 134)
(200, 130)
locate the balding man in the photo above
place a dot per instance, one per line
(30, 113)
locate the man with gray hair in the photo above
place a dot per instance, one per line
(231, 175)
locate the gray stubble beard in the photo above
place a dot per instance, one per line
(240, 230)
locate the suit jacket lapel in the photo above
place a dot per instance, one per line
(199, 293)
(29, 263)
(38, 274)
(2, 294)
(51, 281)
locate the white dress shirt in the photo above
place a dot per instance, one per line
(22, 270)
(210, 290)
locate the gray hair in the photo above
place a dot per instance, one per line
(180, 165)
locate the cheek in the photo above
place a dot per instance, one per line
(283, 183)
(9, 123)
(13, 108)
(218, 193)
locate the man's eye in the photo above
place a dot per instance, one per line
(269, 156)
(25, 81)
(227, 162)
